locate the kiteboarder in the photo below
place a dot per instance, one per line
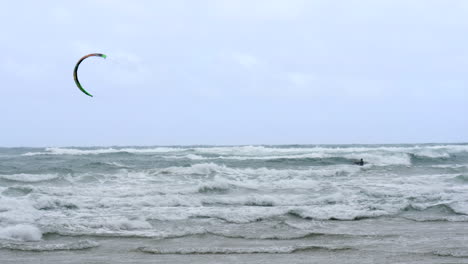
(360, 163)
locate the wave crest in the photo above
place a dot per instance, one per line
(234, 250)
(32, 178)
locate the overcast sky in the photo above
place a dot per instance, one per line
(234, 72)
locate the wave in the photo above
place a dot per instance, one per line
(126, 224)
(273, 152)
(31, 178)
(381, 159)
(423, 159)
(106, 227)
(77, 151)
(430, 150)
(262, 209)
(207, 169)
(439, 208)
(239, 250)
(462, 178)
(105, 165)
(215, 187)
(439, 212)
(195, 169)
(450, 166)
(122, 231)
(457, 253)
(266, 211)
(301, 156)
(342, 215)
(54, 204)
(179, 232)
(248, 200)
(79, 245)
(284, 236)
(17, 191)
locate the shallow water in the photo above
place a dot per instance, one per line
(235, 204)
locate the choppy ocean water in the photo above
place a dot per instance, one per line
(235, 204)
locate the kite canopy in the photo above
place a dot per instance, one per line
(75, 71)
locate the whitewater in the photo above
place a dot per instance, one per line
(235, 204)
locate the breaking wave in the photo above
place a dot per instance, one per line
(31, 178)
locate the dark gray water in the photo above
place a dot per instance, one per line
(235, 204)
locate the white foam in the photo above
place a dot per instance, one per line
(111, 224)
(453, 166)
(432, 153)
(22, 232)
(16, 210)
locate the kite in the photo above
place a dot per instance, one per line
(75, 72)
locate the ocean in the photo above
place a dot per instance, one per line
(235, 204)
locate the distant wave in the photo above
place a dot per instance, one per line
(268, 150)
(315, 158)
(235, 250)
(213, 168)
(105, 165)
(265, 151)
(76, 151)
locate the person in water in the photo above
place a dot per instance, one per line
(360, 163)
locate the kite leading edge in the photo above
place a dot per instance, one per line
(75, 71)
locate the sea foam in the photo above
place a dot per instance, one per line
(22, 232)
